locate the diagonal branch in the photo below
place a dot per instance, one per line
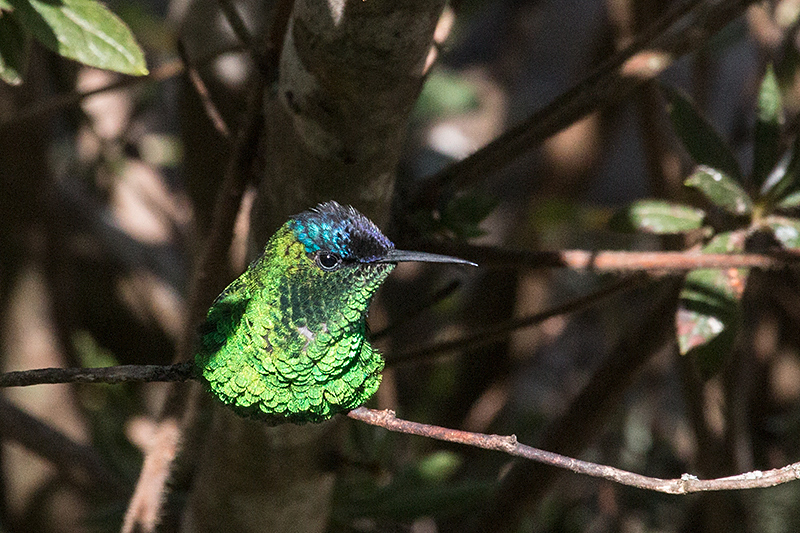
(508, 444)
(681, 30)
(208, 279)
(79, 463)
(494, 332)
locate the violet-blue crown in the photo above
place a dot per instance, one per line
(340, 230)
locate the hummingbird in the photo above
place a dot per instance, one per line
(287, 340)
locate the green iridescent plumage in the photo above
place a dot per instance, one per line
(286, 341)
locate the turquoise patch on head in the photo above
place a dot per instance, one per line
(316, 237)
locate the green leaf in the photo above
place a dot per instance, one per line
(13, 52)
(83, 30)
(709, 307)
(786, 230)
(720, 189)
(791, 201)
(768, 127)
(5, 6)
(657, 216)
(698, 136)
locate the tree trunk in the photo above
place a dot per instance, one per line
(350, 73)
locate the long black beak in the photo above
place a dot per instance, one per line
(404, 256)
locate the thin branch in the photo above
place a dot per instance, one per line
(163, 72)
(202, 91)
(661, 262)
(525, 485)
(617, 261)
(686, 484)
(184, 371)
(211, 274)
(679, 31)
(145, 505)
(498, 331)
(411, 315)
(208, 279)
(108, 374)
(508, 444)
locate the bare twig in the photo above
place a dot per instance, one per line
(228, 9)
(524, 486)
(686, 484)
(201, 89)
(165, 71)
(207, 280)
(432, 300)
(183, 371)
(617, 261)
(145, 506)
(508, 444)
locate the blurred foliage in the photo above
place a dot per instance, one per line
(445, 93)
(459, 219)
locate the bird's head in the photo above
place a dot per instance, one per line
(348, 252)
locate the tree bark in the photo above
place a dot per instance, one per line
(349, 76)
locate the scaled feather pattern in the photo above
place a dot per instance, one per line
(286, 341)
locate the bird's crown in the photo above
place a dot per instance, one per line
(340, 230)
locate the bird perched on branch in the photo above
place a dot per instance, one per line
(286, 341)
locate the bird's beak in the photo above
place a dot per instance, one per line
(404, 256)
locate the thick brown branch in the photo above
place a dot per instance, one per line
(686, 484)
(208, 279)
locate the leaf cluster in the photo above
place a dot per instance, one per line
(739, 209)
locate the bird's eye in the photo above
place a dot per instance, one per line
(328, 261)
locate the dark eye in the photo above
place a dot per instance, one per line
(328, 261)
